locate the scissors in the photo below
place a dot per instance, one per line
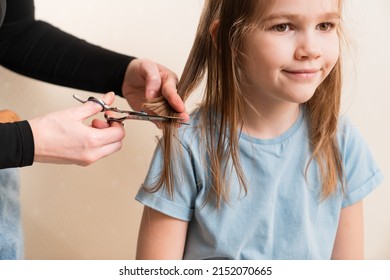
(126, 114)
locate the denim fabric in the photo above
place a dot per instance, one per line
(11, 235)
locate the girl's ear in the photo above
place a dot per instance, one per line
(213, 31)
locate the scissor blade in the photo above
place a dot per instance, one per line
(143, 117)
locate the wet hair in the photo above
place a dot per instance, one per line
(218, 59)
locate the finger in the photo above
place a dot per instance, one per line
(184, 116)
(169, 92)
(109, 98)
(149, 71)
(109, 135)
(112, 122)
(116, 124)
(90, 108)
(100, 124)
(100, 153)
(108, 149)
(114, 133)
(102, 142)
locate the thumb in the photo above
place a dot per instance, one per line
(91, 108)
(151, 75)
(109, 98)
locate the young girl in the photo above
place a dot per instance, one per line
(266, 170)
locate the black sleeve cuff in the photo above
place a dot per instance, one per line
(16, 145)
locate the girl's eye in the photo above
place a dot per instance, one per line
(281, 27)
(325, 26)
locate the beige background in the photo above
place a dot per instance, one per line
(72, 212)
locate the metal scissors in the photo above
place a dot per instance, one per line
(127, 114)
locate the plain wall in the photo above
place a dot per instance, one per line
(72, 212)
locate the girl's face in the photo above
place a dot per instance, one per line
(293, 49)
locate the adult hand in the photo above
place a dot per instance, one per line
(62, 137)
(145, 80)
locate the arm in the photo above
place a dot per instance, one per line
(349, 243)
(160, 236)
(39, 50)
(42, 51)
(60, 137)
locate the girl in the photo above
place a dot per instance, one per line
(266, 170)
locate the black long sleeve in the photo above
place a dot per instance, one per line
(39, 50)
(42, 51)
(16, 145)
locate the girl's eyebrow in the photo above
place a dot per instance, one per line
(281, 15)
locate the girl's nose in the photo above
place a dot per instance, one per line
(308, 47)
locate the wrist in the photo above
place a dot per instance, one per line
(28, 146)
(128, 76)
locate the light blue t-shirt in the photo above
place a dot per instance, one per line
(282, 215)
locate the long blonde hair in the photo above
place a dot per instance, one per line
(219, 62)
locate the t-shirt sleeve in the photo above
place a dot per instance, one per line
(181, 204)
(361, 172)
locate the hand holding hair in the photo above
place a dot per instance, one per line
(146, 81)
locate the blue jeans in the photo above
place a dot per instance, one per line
(11, 234)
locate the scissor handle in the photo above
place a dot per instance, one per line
(105, 107)
(98, 101)
(93, 99)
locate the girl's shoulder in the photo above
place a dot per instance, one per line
(191, 134)
(193, 124)
(361, 172)
(348, 133)
(353, 147)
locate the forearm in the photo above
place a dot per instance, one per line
(349, 243)
(42, 51)
(46, 53)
